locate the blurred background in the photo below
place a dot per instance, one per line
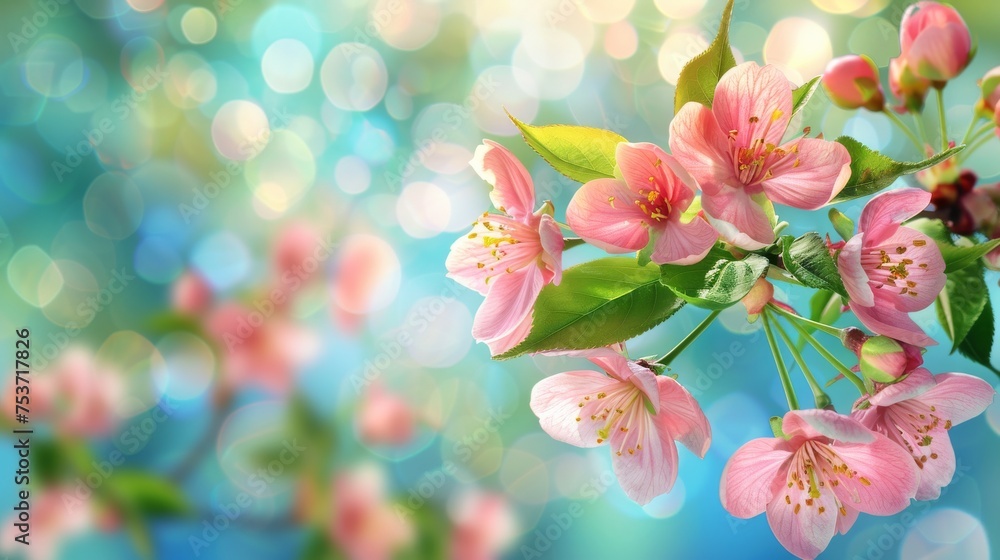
(225, 224)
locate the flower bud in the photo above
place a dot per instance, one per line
(990, 86)
(935, 41)
(852, 82)
(759, 296)
(909, 88)
(885, 360)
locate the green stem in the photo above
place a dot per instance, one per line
(972, 125)
(830, 330)
(918, 119)
(819, 395)
(906, 130)
(669, 356)
(837, 364)
(941, 118)
(779, 362)
(967, 153)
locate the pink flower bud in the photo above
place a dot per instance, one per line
(935, 41)
(909, 88)
(885, 360)
(852, 82)
(990, 86)
(759, 296)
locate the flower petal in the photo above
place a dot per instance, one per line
(748, 477)
(552, 247)
(556, 401)
(645, 468)
(645, 380)
(886, 211)
(888, 321)
(880, 476)
(827, 423)
(701, 147)
(646, 166)
(959, 397)
(941, 53)
(513, 192)
(752, 99)
(500, 345)
(801, 529)
(854, 275)
(603, 212)
(737, 218)
(463, 264)
(924, 275)
(682, 243)
(508, 302)
(916, 383)
(681, 414)
(816, 173)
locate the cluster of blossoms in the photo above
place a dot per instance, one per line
(705, 214)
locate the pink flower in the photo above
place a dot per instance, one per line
(385, 418)
(815, 482)
(640, 414)
(57, 514)
(852, 82)
(619, 215)
(734, 152)
(891, 270)
(508, 257)
(483, 525)
(191, 294)
(363, 523)
(935, 41)
(917, 412)
(908, 87)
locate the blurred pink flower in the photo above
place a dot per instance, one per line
(299, 253)
(990, 87)
(917, 412)
(507, 257)
(483, 526)
(620, 215)
(852, 82)
(638, 412)
(734, 152)
(57, 515)
(385, 418)
(946, 172)
(261, 350)
(935, 41)
(75, 394)
(815, 482)
(891, 270)
(191, 294)
(363, 524)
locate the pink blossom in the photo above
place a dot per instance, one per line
(507, 257)
(191, 294)
(816, 480)
(299, 253)
(891, 270)
(917, 412)
(638, 413)
(734, 152)
(483, 526)
(385, 418)
(935, 41)
(620, 215)
(363, 524)
(852, 82)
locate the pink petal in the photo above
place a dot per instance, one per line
(940, 53)
(552, 247)
(609, 358)
(827, 423)
(684, 243)
(886, 477)
(508, 302)
(681, 414)
(513, 192)
(556, 401)
(801, 528)
(926, 272)
(886, 211)
(737, 218)
(604, 214)
(822, 170)
(647, 472)
(702, 148)
(500, 345)
(645, 380)
(641, 162)
(747, 479)
(854, 275)
(937, 464)
(463, 264)
(959, 397)
(886, 320)
(846, 519)
(916, 383)
(749, 91)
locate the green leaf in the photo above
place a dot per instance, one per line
(701, 74)
(147, 494)
(843, 225)
(872, 171)
(802, 94)
(578, 152)
(961, 302)
(978, 344)
(598, 303)
(809, 261)
(825, 307)
(956, 257)
(718, 281)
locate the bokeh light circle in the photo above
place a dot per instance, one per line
(32, 277)
(240, 130)
(800, 47)
(368, 274)
(199, 25)
(189, 366)
(113, 206)
(354, 77)
(54, 66)
(423, 209)
(405, 24)
(352, 175)
(441, 344)
(675, 9)
(135, 357)
(946, 533)
(287, 66)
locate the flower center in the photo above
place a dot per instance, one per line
(889, 267)
(815, 470)
(913, 421)
(500, 237)
(651, 201)
(617, 410)
(754, 160)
